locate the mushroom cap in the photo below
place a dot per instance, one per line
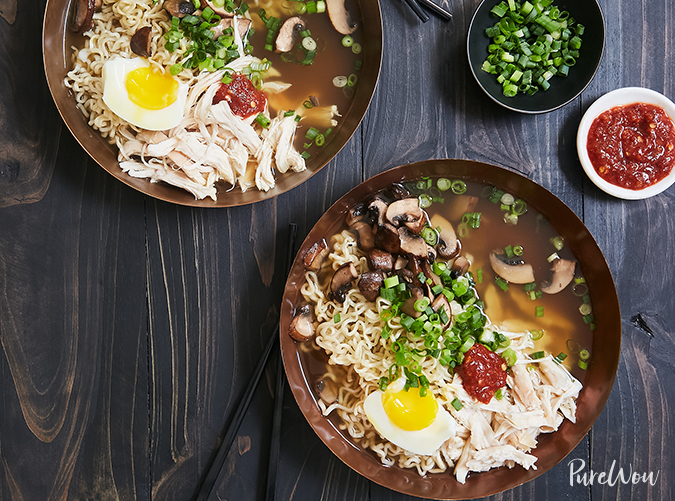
(381, 260)
(365, 235)
(413, 244)
(286, 37)
(81, 15)
(515, 271)
(370, 283)
(448, 244)
(563, 273)
(339, 17)
(140, 41)
(315, 255)
(387, 238)
(179, 8)
(342, 281)
(302, 326)
(379, 208)
(406, 212)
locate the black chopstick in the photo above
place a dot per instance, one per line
(275, 441)
(436, 9)
(216, 467)
(424, 17)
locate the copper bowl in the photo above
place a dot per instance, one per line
(56, 49)
(599, 378)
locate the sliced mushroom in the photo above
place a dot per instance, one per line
(179, 8)
(381, 260)
(370, 283)
(408, 307)
(140, 42)
(400, 263)
(287, 32)
(412, 244)
(396, 191)
(442, 302)
(415, 268)
(81, 15)
(406, 212)
(448, 245)
(327, 391)
(513, 270)
(379, 209)
(387, 238)
(365, 235)
(355, 214)
(302, 326)
(459, 267)
(429, 273)
(405, 275)
(563, 273)
(340, 17)
(315, 255)
(342, 282)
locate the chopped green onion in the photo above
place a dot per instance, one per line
(336, 318)
(391, 281)
(537, 355)
(356, 48)
(509, 356)
(262, 120)
(539, 311)
(347, 41)
(457, 404)
(582, 365)
(458, 187)
(584, 354)
(536, 334)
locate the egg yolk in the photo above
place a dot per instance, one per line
(408, 410)
(150, 90)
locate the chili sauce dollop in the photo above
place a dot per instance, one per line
(632, 146)
(483, 372)
(242, 96)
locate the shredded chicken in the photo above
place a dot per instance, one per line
(538, 396)
(212, 144)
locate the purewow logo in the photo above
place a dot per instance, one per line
(579, 476)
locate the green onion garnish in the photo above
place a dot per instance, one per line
(457, 404)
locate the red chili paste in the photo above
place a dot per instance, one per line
(244, 99)
(483, 372)
(632, 146)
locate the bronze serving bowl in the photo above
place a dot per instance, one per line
(57, 42)
(598, 380)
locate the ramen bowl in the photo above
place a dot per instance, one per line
(302, 362)
(58, 42)
(562, 89)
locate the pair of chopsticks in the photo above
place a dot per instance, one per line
(436, 9)
(212, 478)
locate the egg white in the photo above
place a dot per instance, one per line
(423, 442)
(116, 97)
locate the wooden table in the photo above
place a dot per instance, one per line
(130, 327)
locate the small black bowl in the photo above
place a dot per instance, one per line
(563, 89)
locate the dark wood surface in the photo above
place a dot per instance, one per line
(130, 327)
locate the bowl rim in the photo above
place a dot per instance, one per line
(474, 71)
(622, 97)
(599, 377)
(56, 51)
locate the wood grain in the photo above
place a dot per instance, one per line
(129, 326)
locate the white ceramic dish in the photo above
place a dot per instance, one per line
(621, 97)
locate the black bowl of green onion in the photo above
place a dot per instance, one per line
(534, 56)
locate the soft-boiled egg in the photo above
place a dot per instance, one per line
(142, 96)
(417, 424)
